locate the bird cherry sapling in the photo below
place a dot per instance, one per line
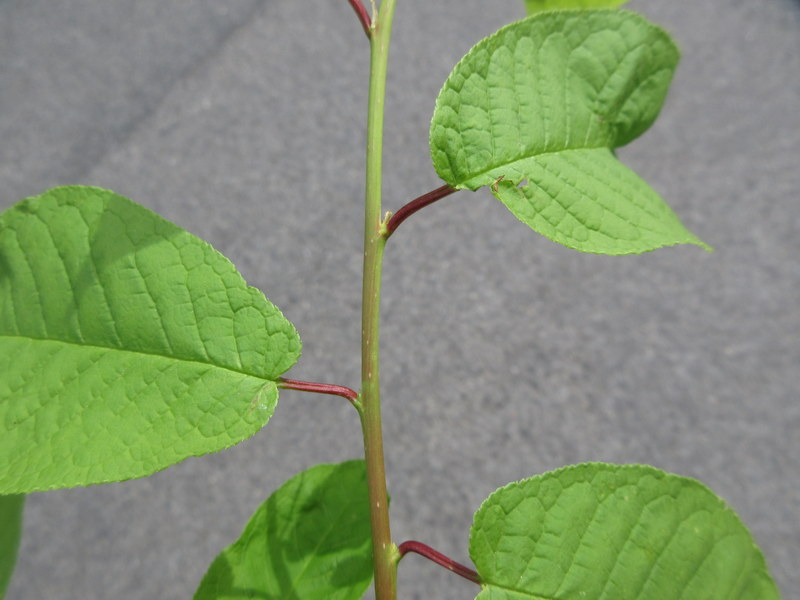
(127, 344)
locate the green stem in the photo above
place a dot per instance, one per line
(385, 553)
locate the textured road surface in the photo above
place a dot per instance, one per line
(505, 355)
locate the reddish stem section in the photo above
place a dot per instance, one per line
(439, 558)
(363, 16)
(319, 388)
(415, 205)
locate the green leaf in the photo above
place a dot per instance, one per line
(598, 531)
(126, 344)
(535, 6)
(10, 534)
(535, 110)
(310, 540)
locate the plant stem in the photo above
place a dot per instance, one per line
(415, 205)
(439, 558)
(384, 552)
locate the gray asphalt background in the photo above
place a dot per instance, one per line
(504, 354)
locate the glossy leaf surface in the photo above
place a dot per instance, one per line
(629, 532)
(535, 111)
(534, 6)
(311, 540)
(126, 343)
(10, 534)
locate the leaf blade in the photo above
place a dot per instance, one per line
(310, 540)
(535, 6)
(565, 197)
(625, 531)
(115, 321)
(11, 508)
(556, 82)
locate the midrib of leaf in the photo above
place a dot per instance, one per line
(587, 527)
(527, 594)
(634, 523)
(699, 564)
(620, 551)
(738, 579)
(313, 555)
(137, 352)
(512, 590)
(608, 143)
(653, 565)
(524, 157)
(569, 210)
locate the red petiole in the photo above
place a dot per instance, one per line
(415, 205)
(439, 558)
(363, 16)
(320, 388)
